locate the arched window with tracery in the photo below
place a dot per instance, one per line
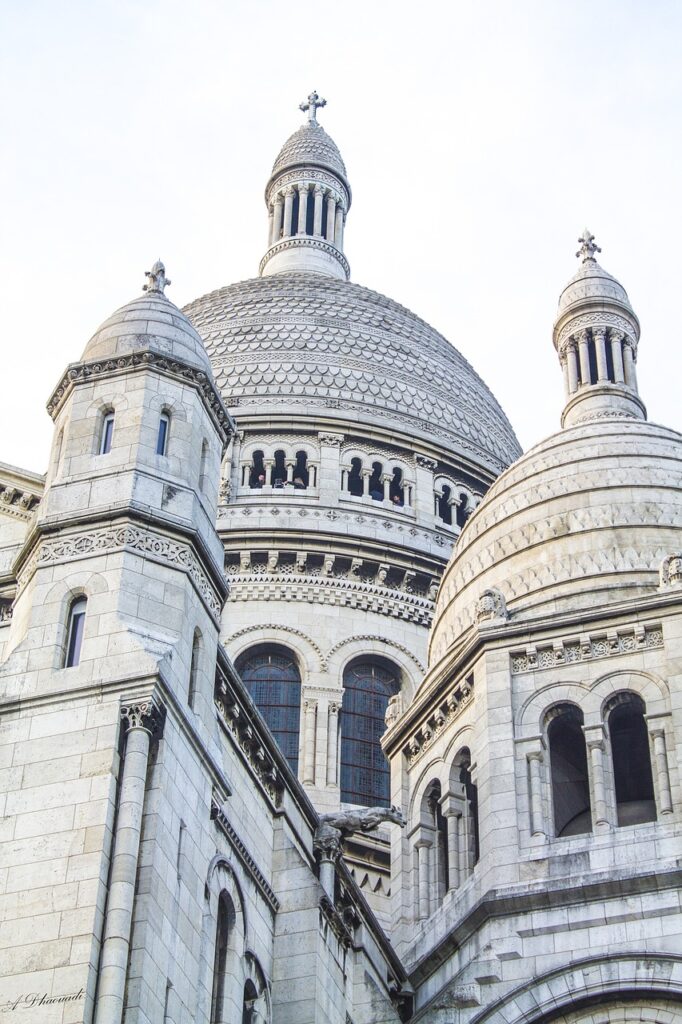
(568, 765)
(271, 676)
(631, 759)
(368, 684)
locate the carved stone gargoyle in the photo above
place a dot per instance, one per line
(347, 823)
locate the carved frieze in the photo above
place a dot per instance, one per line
(585, 648)
(448, 709)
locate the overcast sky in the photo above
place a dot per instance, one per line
(480, 138)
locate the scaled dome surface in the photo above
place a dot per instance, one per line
(584, 518)
(308, 145)
(306, 342)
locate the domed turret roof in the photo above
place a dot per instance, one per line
(584, 518)
(149, 322)
(310, 144)
(299, 342)
(591, 282)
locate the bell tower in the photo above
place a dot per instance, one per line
(308, 197)
(596, 333)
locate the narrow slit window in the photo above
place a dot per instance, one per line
(107, 434)
(162, 436)
(75, 633)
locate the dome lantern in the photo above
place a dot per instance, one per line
(308, 197)
(596, 333)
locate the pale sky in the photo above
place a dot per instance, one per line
(480, 138)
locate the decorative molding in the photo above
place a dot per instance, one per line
(115, 538)
(144, 713)
(305, 242)
(567, 650)
(271, 629)
(311, 176)
(17, 503)
(424, 462)
(334, 440)
(449, 708)
(76, 373)
(372, 638)
(233, 712)
(248, 863)
(597, 319)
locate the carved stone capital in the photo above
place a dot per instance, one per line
(327, 842)
(426, 463)
(144, 713)
(333, 440)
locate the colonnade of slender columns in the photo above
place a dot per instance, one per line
(575, 358)
(281, 221)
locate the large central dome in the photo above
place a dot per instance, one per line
(303, 340)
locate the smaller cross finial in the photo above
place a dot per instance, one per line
(314, 101)
(157, 279)
(587, 246)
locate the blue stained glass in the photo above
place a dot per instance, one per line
(273, 680)
(365, 775)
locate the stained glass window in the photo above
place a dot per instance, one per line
(272, 678)
(365, 775)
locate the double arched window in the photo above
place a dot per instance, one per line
(272, 678)
(367, 687)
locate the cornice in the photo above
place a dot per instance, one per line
(145, 360)
(305, 242)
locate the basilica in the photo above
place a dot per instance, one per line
(320, 701)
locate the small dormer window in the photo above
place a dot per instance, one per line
(75, 633)
(162, 436)
(107, 434)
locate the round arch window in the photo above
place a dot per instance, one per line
(272, 678)
(367, 686)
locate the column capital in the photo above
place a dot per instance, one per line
(599, 332)
(615, 334)
(318, 189)
(582, 336)
(278, 200)
(289, 190)
(144, 713)
(327, 842)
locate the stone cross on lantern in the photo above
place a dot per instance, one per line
(587, 246)
(314, 101)
(157, 279)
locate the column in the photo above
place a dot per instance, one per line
(276, 219)
(303, 194)
(665, 803)
(452, 819)
(366, 474)
(290, 472)
(327, 846)
(268, 465)
(407, 494)
(599, 335)
(583, 341)
(246, 472)
(564, 367)
(595, 749)
(616, 338)
(537, 823)
(332, 743)
(386, 481)
(344, 478)
(572, 360)
(144, 720)
(309, 717)
(465, 864)
(317, 214)
(331, 217)
(424, 877)
(338, 228)
(271, 217)
(288, 209)
(629, 363)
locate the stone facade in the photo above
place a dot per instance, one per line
(162, 860)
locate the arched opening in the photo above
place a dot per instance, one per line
(294, 213)
(224, 927)
(106, 432)
(257, 473)
(162, 434)
(568, 764)
(250, 998)
(610, 369)
(368, 684)
(631, 758)
(440, 831)
(355, 477)
(462, 511)
(471, 795)
(271, 676)
(376, 487)
(194, 668)
(310, 214)
(278, 473)
(74, 634)
(301, 471)
(444, 506)
(396, 491)
(592, 353)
